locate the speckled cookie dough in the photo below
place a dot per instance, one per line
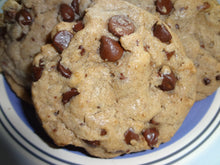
(197, 23)
(25, 26)
(116, 82)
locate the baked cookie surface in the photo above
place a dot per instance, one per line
(116, 82)
(25, 27)
(196, 22)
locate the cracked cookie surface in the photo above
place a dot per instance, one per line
(116, 82)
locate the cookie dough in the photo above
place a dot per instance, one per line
(197, 24)
(116, 82)
(25, 26)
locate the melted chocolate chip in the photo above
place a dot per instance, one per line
(169, 82)
(217, 77)
(164, 7)
(24, 17)
(93, 143)
(161, 32)
(61, 40)
(120, 25)
(151, 136)
(64, 71)
(67, 13)
(130, 135)
(110, 49)
(103, 132)
(206, 81)
(177, 26)
(68, 95)
(75, 5)
(79, 26)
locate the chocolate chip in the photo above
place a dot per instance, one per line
(61, 40)
(122, 76)
(23, 35)
(204, 6)
(37, 72)
(169, 82)
(164, 7)
(110, 49)
(79, 26)
(151, 136)
(82, 50)
(169, 54)
(103, 132)
(64, 71)
(130, 135)
(24, 17)
(161, 32)
(93, 143)
(67, 13)
(75, 5)
(206, 81)
(217, 77)
(177, 26)
(146, 48)
(120, 25)
(68, 95)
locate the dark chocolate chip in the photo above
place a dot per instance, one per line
(110, 49)
(93, 143)
(120, 25)
(146, 48)
(177, 26)
(103, 132)
(130, 135)
(204, 6)
(169, 54)
(79, 26)
(75, 5)
(122, 76)
(64, 71)
(161, 32)
(68, 95)
(151, 136)
(82, 50)
(36, 73)
(67, 13)
(61, 40)
(23, 35)
(217, 77)
(24, 17)
(168, 82)
(164, 7)
(206, 81)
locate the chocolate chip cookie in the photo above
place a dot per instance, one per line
(25, 26)
(197, 24)
(116, 82)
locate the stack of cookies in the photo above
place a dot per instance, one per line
(113, 77)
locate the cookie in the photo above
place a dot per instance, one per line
(196, 22)
(116, 82)
(25, 27)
